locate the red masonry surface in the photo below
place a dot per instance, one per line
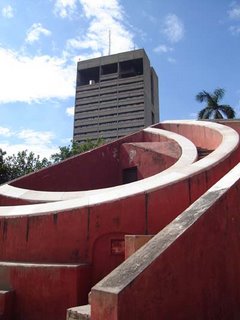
(62, 229)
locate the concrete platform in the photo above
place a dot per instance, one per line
(79, 313)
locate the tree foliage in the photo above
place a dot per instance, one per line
(74, 149)
(25, 162)
(22, 163)
(3, 167)
(214, 110)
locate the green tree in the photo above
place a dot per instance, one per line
(3, 167)
(22, 163)
(75, 148)
(214, 110)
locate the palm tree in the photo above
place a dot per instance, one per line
(213, 109)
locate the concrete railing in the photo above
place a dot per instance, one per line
(189, 268)
(188, 156)
(228, 141)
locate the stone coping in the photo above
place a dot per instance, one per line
(188, 156)
(41, 265)
(179, 171)
(130, 269)
(79, 313)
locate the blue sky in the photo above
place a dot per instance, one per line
(193, 46)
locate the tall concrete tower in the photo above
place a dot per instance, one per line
(115, 95)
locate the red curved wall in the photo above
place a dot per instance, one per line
(88, 235)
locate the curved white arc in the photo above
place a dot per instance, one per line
(230, 141)
(188, 156)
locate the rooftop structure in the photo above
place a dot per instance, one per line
(115, 95)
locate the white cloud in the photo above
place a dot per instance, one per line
(234, 12)
(32, 137)
(83, 44)
(5, 132)
(39, 142)
(172, 60)
(35, 31)
(28, 79)
(7, 12)
(65, 8)
(173, 28)
(235, 30)
(44, 151)
(193, 115)
(70, 111)
(103, 16)
(97, 8)
(150, 17)
(163, 49)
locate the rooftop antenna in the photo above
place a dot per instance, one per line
(109, 42)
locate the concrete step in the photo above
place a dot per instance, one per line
(79, 313)
(58, 287)
(6, 304)
(132, 244)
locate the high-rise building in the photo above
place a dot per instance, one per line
(115, 95)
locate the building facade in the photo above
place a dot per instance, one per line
(115, 95)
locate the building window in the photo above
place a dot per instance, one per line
(109, 68)
(131, 68)
(88, 76)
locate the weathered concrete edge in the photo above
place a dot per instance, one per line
(188, 156)
(129, 270)
(81, 312)
(10, 264)
(167, 177)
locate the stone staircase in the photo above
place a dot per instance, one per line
(132, 244)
